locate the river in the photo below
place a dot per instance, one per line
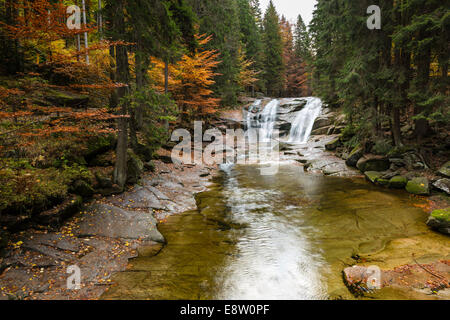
(283, 236)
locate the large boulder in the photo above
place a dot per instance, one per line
(445, 170)
(82, 188)
(373, 163)
(67, 99)
(398, 182)
(443, 185)
(418, 186)
(354, 156)
(440, 220)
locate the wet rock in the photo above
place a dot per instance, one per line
(440, 220)
(418, 186)
(373, 163)
(443, 185)
(113, 222)
(373, 176)
(445, 170)
(354, 157)
(398, 182)
(320, 131)
(331, 146)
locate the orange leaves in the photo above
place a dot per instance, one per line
(190, 79)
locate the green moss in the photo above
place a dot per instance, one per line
(373, 176)
(398, 182)
(419, 186)
(445, 170)
(441, 215)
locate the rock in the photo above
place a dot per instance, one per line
(440, 220)
(373, 163)
(103, 182)
(320, 131)
(322, 122)
(397, 162)
(135, 168)
(331, 146)
(150, 166)
(443, 185)
(139, 198)
(398, 182)
(413, 161)
(82, 188)
(373, 176)
(445, 170)
(113, 222)
(354, 157)
(418, 186)
(66, 99)
(56, 216)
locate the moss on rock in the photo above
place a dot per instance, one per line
(418, 186)
(398, 182)
(440, 220)
(445, 170)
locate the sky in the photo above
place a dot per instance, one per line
(292, 8)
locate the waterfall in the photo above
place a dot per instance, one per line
(267, 120)
(304, 121)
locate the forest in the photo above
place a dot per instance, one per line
(90, 90)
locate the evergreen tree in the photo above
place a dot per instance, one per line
(273, 49)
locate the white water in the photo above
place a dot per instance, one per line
(267, 120)
(304, 122)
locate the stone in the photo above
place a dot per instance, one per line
(373, 176)
(66, 99)
(445, 170)
(113, 222)
(443, 185)
(56, 216)
(373, 163)
(331, 146)
(354, 157)
(322, 122)
(82, 188)
(440, 220)
(398, 182)
(418, 186)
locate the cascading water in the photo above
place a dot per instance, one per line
(304, 122)
(264, 121)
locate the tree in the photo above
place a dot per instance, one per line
(273, 49)
(190, 80)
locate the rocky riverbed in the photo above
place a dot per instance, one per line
(100, 239)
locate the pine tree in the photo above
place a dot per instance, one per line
(273, 49)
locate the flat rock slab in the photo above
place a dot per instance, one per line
(429, 278)
(139, 198)
(113, 222)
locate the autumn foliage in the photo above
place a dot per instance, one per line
(190, 80)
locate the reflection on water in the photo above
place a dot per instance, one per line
(286, 236)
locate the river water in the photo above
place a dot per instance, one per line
(283, 236)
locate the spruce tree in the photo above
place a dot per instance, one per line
(273, 50)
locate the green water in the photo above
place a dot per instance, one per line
(287, 236)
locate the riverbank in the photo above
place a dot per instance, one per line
(102, 238)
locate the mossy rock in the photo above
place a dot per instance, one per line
(100, 145)
(382, 182)
(398, 182)
(135, 168)
(373, 176)
(418, 186)
(56, 216)
(445, 170)
(82, 188)
(354, 156)
(66, 99)
(373, 163)
(440, 220)
(331, 146)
